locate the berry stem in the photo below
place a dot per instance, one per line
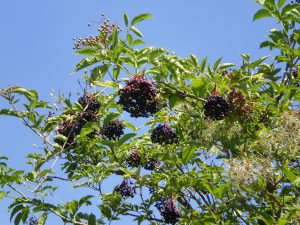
(181, 92)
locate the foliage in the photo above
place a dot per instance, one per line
(218, 146)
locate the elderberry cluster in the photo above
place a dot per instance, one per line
(127, 188)
(216, 107)
(105, 31)
(151, 164)
(138, 97)
(32, 221)
(168, 210)
(71, 128)
(113, 130)
(89, 102)
(238, 106)
(134, 160)
(163, 134)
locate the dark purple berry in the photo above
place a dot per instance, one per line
(151, 164)
(216, 107)
(69, 129)
(168, 210)
(139, 97)
(163, 134)
(134, 160)
(126, 188)
(113, 130)
(89, 103)
(32, 221)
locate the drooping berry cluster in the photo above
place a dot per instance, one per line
(295, 71)
(168, 210)
(127, 188)
(32, 221)
(138, 97)
(216, 107)
(69, 129)
(151, 164)
(163, 134)
(295, 2)
(88, 41)
(89, 102)
(238, 106)
(134, 160)
(113, 130)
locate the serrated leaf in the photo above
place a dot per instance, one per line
(125, 138)
(187, 155)
(140, 18)
(262, 13)
(99, 72)
(226, 65)
(138, 42)
(42, 219)
(85, 63)
(110, 117)
(108, 83)
(125, 16)
(115, 39)
(15, 210)
(280, 3)
(217, 63)
(202, 64)
(136, 31)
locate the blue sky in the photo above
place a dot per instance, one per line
(36, 46)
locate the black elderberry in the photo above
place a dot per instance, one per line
(163, 134)
(89, 103)
(139, 97)
(127, 188)
(168, 210)
(69, 129)
(151, 164)
(134, 160)
(216, 107)
(32, 221)
(113, 130)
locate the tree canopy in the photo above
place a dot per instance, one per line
(188, 141)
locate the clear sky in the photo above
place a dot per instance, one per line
(36, 46)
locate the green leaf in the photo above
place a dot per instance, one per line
(110, 117)
(226, 65)
(108, 83)
(194, 60)
(92, 219)
(115, 39)
(85, 63)
(130, 125)
(15, 210)
(280, 3)
(138, 42)
(140, 18)
(217, 63)
(10, 112)
(202, 64)
(18, 219)
(188, 154)
(125, 138)
(136, 31)
(42, 219)
(262, 13)
(99, 72)
(126, 19)
(198, 82)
